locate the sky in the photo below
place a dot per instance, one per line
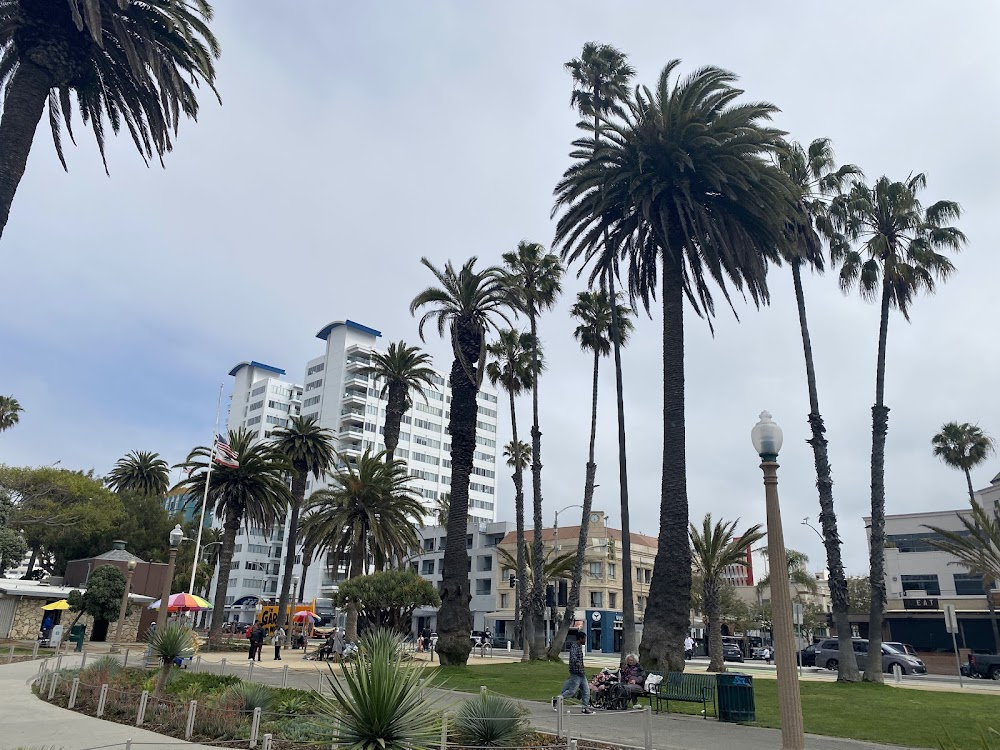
(354, 138)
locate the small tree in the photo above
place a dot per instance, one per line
(859, 594)
(387, 599)
(168, 644)
(103, 597)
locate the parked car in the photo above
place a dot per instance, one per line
(983, 665)
(731, 652)
(828, 656)
(758, 652)
(905, 648)
(807, 656)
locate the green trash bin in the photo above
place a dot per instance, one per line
(76, 634)
(735, 695)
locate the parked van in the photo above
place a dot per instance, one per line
(828, 655)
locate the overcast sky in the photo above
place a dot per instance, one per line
(356, 137)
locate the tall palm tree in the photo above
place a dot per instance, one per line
(10, 410)
(897, 256)
(510, 367)
(534, 279)
(368, 513)
(141, 472)
(402, 369)
(554, 565)
(684, 184)
(714, 550)
(137, 63)
(309, 448)
(963, 446)
(978, 550)
(464, 305)
(254, 494)
(602, 77)
(308, 555)
(593, 311)
(814, 174)
(517, 458)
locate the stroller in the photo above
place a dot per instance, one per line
(608, 692)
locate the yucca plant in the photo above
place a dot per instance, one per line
(167, 644)
(379, 702)
(100, 670)
(295, 705)
(490, 720)
(249, 695)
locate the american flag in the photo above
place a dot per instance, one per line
(225, 455)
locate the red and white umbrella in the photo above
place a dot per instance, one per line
(305, 615)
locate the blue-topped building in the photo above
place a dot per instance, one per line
(180, 501)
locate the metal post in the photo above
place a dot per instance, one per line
(222, 672)
(482, 690)
(958, 661)
(897, 673)
(250, 671)
(128, 744)
(559, 716)
(83, 660)
(255, 727)
(444, 731)
(10, 655)
(192, 710)
(45, 680)
(125, 660)
(566, 727)
(34, 651)
(102, 700)
(284, 676)
(319, 682)
(572, 745)
(59, 662)
(52, 687)
(72, 692)
(267, 741)
(143, 700)
(649, 728)
(197, 663)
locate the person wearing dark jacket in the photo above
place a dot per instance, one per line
(577, 680)
(256, 642)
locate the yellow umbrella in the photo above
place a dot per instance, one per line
(61, 604)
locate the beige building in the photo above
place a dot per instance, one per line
(600, 610)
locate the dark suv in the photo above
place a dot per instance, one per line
(828, 655)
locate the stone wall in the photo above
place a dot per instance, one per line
(28, 621)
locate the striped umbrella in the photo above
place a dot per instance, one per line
(183, 603)
(305, 614)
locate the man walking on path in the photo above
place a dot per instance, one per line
(689, 648)
(278, 640)
(577, 680)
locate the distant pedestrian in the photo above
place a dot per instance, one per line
(256, 641)
(689, 648)
(768, 654)
(425, 638)
(338, 645)
(577, 680)
(278, 640)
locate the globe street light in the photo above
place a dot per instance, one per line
(766, 437)
(176, 535)
(116, 647)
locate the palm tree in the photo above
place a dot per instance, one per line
(308, 554)
(798, 573)
(141, 472)
(402, 369)
(137, 63)
(602, 77)
(816, 177)
(464, 305)
(714, 550)
(534, 282)
(10, 410)
(510, 367)
(369, 512)
(517, 459)
(978, 550)
(963, 446)
(441, 507)
(309, 448)
(554, 565)
(254, 494)
(684, 185)
(593, 311)
(897, 257)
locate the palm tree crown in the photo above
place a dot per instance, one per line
(142, 472)
(521, 456)
(963, 446)
(593, 310)
(10, 410)
(554, 565)
(510, 361)
(602, 78)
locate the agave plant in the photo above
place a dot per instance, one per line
(490, 720)
(379, 702)
(249, 696)
(168, 644)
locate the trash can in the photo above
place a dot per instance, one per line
(734, 693)
(76, 634)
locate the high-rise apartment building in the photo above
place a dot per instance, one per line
(349, 404)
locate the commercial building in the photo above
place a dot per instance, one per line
(347, 402)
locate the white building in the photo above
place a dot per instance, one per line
(348, 404)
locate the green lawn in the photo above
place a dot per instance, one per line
(877, 713)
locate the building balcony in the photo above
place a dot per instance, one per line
(356, 397)
(350, 432)
(356, 363)
(352, 415)
(356, 381)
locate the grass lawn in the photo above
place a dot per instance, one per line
(877, 713)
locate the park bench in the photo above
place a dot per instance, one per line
(687, 688)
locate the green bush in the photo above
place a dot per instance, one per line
(167, 644)
(100, 670)
(248, 696)
(490, 720)
(204, 682)
(293, 704)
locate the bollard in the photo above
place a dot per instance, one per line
(52, 687)
(34, 651)
(128, 744)
(45, 681)
(189, 728)
(566, 727)
(72, 692)
(267, 741)
(222, 672)
(284, 676)
(59, 662)
(83, 661)
(250, 672)
(649, 728)
(102, 700)
(559, 716)
(482, 690)
(508, 647)
(572, 745)
(197, 663)
(319, 682)
(125, 660)
(897, 672)
(143, 700)
(255, 727)
(10, 655)
(444, 731)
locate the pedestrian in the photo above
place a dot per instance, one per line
(278, 640)
(338, 645)
(425, 637)
(689, 648)
(256, 641)
(577, 680)
(768, 654)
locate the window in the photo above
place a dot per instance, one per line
(427, 476)
(429, 494)
(434, 395)
(504, 598)
(485, 563)
(597, 599)
(489, 473)
(280, 390)
(426, 409)
(424, 424)
(928, 583)
(484, 586)
(424, 458)
(280, 421)
(238, 548)
(916, 542)
(315, 368)
(612, 600)
(595, 570)
(482, 456)
(255, 406)
(641, 600)
(427, 568)
(310, 401)
(483, 441)
(487, 412)
(253, 420)
(256, 584)
(258, 390)
(611, 574)
(468, 542)
(481, 488)
(314, 384)
(414, 567)
(967, 584)
(647, 574)
(429, 442)
(429, 545)
(486, 426)
(258, 549)
(278, 406)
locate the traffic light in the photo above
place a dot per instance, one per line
(513, 580)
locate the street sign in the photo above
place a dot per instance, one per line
(797, 612)
(922, 602)
(950, 618)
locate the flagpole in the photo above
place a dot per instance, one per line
(204, 499)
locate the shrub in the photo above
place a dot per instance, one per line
(100, 670)
(490, 720)
(248, 695)
(203, 682)
(169, 643)
(294, 704)
(379, 701)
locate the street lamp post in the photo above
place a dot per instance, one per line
(176, 535)
(116, 647)
(555, 526)
(766, 437)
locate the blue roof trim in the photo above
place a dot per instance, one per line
(258, 365)
(327, 329)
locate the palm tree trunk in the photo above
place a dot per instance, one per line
(22, 109)
(536, 600)
(993, 615)
(395, 404)
(31, 562)
(298, 497)
(454, 616)
(357, 569)
(880, 426)
(712, 604)
(628, 599)
(847, 670)
(972, 492)
(522, 570)
(229, 532)
(581, 542)
(667, 619)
